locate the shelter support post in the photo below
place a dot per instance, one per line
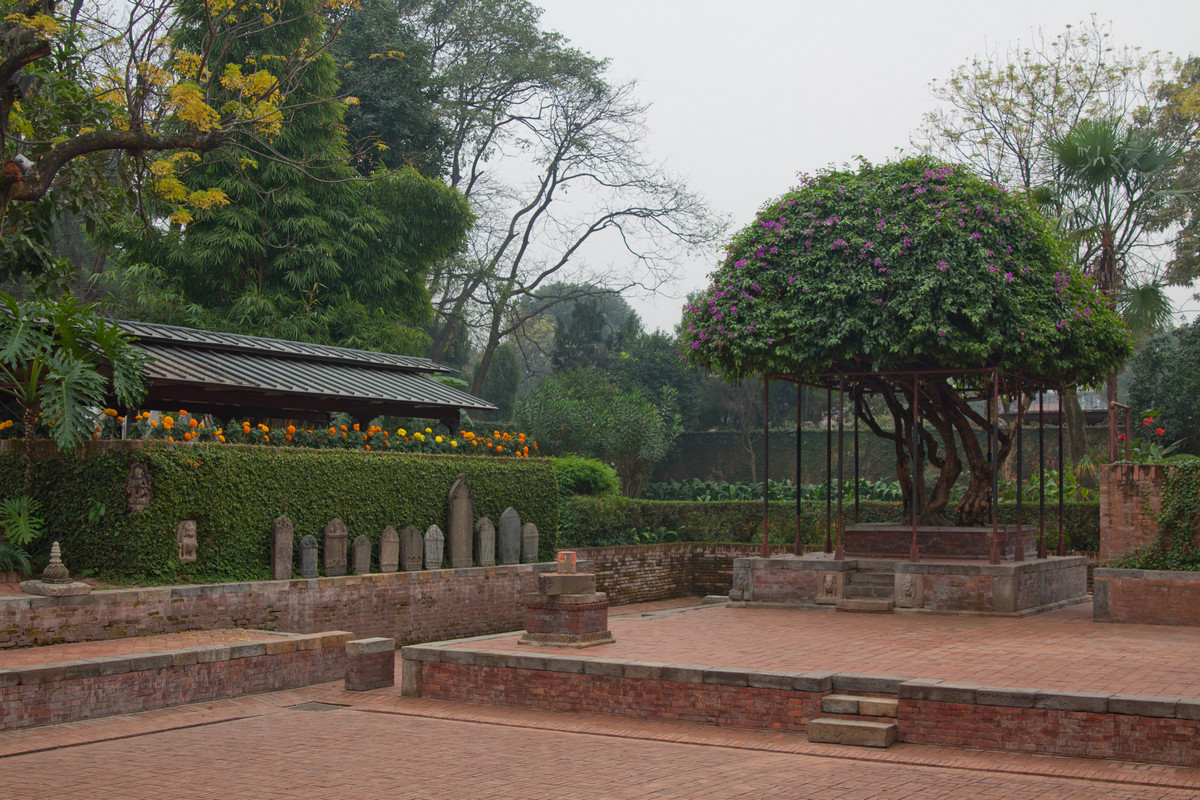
(766, 550)
(914, 551)
(840, 552)
(798, 546)
(995, 464)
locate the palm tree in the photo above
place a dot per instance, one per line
(1112, 180)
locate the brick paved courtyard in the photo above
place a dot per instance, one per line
(378, 744)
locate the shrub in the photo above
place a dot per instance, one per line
(579, 475)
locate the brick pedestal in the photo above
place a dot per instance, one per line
(567, 612)
(370, 664)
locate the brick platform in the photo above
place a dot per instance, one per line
(68, 690)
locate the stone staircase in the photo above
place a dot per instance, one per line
(863, 721)
(868, 591)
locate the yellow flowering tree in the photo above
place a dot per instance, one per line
(88, 102)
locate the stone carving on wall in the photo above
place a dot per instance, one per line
(138, 492)
(185, 536)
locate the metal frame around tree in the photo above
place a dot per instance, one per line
(993, 411)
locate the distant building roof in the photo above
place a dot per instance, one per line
(231, 375)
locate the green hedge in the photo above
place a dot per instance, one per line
(235, 492)
(606, 521)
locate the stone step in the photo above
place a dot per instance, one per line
(858, 732)
(871, 578)
(866, 605)
(859, 705)
(852, 590)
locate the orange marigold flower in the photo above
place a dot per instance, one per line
(182, 413)
(221, 438)
(332, 430)
(187, 437)
(193, 423)
(500, 449)
(95, 436)
(343, 427)
(288, 437)
(170, 438)
(266, 438)
(291, 428)
(110, 412)
(496, 434)
(367, 446)
(356, 426)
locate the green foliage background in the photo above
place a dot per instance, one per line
(607, 521)
(235, 492)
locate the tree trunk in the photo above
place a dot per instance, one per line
(30, 422)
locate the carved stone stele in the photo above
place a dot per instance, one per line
(185, 535)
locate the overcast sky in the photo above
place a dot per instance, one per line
(745, 94)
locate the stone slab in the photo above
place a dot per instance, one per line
(861, 733)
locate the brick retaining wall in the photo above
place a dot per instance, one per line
(1078, 724)
(1151, 597)
(406, 606)
(47, 694)
(640, 573)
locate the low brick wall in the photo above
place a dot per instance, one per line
(405, 606)
(1082, 725)
(1152, 597)
(1013, 588)
(1130, 501)
(47, 694)
(640, 573)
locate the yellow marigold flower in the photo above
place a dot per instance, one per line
(168, 422)
(263, 428)
(401, 432)
(429, 430)
(221, 438)
(110, 412)
(453, 443)
(438, 439)
(154, 423)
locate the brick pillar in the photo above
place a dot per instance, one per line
(370, 664)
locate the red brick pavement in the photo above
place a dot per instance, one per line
(382, 745)
(1059, 651)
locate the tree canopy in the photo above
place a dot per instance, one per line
(904, 266)
(907, 266)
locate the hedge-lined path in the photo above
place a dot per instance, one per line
(379, 744)
(1061, 650)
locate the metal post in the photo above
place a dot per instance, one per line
(798, 547)
(1062, 465)
(1019, 546)
(1041, 551)
(766, 550)
(995, 452)
(828, 468)
(857, 487)
(914, 552)
(840, 552)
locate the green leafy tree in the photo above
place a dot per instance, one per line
(581, 412)
(583, 341)
(914, 265)
(503, 381)
(387, 67)
(54, 356)
(97, 101)
(311, 252)
(1166, 376)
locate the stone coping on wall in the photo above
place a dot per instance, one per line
(1153, 574)
(67, 691)
(154, 594)
(1020, 719)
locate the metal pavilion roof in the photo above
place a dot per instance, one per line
(229, 374)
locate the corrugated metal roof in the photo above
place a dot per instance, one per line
(227, 371)
(149, 332)
(270, 373)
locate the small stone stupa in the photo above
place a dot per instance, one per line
(56, 580)
(567, 611)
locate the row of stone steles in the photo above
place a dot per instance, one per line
(471, 542)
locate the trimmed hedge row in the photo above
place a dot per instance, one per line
(608, 521)
(235, 492)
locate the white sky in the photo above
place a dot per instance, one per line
(747, 93)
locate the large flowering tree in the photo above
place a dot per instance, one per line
(909, 266)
